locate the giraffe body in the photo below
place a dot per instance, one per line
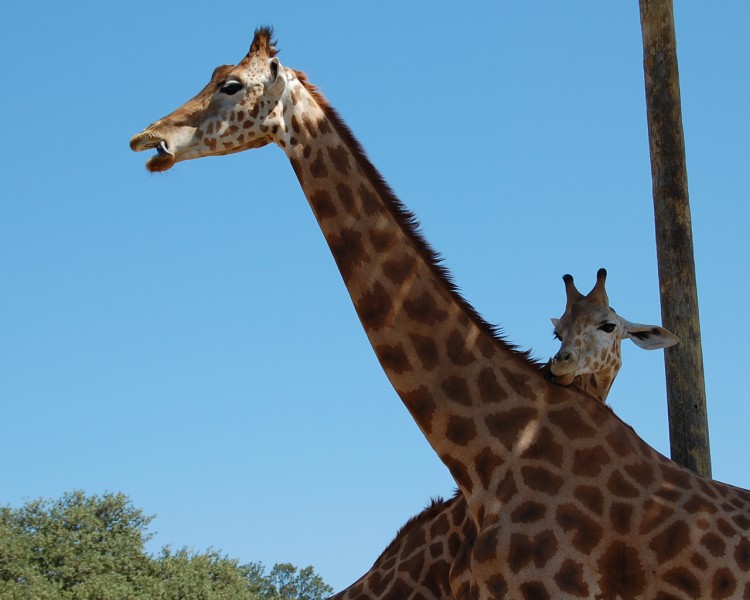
(418, 563)
(567, 501)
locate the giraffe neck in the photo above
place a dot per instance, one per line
(596, 384)
(446, 364)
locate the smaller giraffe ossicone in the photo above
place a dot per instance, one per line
(417, 564)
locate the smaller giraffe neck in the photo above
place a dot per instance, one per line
(596, 385)
(444, 361)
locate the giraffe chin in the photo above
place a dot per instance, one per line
(160, 162)
(566, 379)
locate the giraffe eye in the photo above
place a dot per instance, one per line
(557, 336)
(231, 87)
(607, 327)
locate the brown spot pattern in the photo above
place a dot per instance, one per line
(714, 544)
(505, 426)
(588, 462)
(398, 269)
(424, 309)
(534, 590)
(460, 430)
(382, 240)
(621, 572)
(348, 251)
(458, 472)
(675, 476)
(620, 515)
(545, 448)
(374, 307)
(426, 350)
(347, 199)
(685, 581)
(620, 442)
(340, 158)
(497, 586)
(440, 526)
(523, 550)
(421, 405)
(619, 486)
(587, 533)
(641, 472)
(518, 382)
(485, 464)
(456, 348)
(742, 554)
(541, 479)
(528, 512)
(699, 561)
(723, 584)
(371, 205)
(295, 124)
(571, 423)
(321, 203)
(318, 167)
(570, 579)
(654, 514)
(393, 358)
(670, 542)
(489, 388)
(591, 497)
(457, 390)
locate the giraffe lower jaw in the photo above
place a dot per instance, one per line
(565, 379)
(162, 160)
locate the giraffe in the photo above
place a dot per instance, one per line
(417, 563)
(567, 501)
(591, 331)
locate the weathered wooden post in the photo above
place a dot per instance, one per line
(686, 392)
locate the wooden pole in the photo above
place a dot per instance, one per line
(686, 392)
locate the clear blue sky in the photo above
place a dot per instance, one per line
(186, 338)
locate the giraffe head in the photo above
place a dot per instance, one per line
(591, 332)
(239, 109)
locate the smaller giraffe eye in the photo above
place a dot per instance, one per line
(557, 336)
(231, 87)
(607, 327)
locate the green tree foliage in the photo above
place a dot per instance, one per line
(93, 548)
(286, 582)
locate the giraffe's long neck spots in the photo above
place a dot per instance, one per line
(595, 384)
(454, 375)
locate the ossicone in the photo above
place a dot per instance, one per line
(263, 42)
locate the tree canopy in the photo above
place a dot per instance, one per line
(83, 547)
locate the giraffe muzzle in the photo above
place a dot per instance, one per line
(563, 366)
(163, 159)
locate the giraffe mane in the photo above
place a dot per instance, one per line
(263, 42)
(437, 505)
(410, 225)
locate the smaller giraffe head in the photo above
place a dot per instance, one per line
(238, 110)
(591, 333)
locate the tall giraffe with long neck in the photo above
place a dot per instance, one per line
(417, 563)
(567, 500)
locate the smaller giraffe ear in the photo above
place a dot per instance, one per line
(650, 337)
(554, 321)
(277, 81)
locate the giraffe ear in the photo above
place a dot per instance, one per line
(554, 321)
(650, 337)
(277, 81)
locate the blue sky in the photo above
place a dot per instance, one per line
(186, 339)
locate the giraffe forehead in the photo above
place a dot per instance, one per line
(584, 315)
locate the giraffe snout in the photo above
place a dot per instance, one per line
(564, 362)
